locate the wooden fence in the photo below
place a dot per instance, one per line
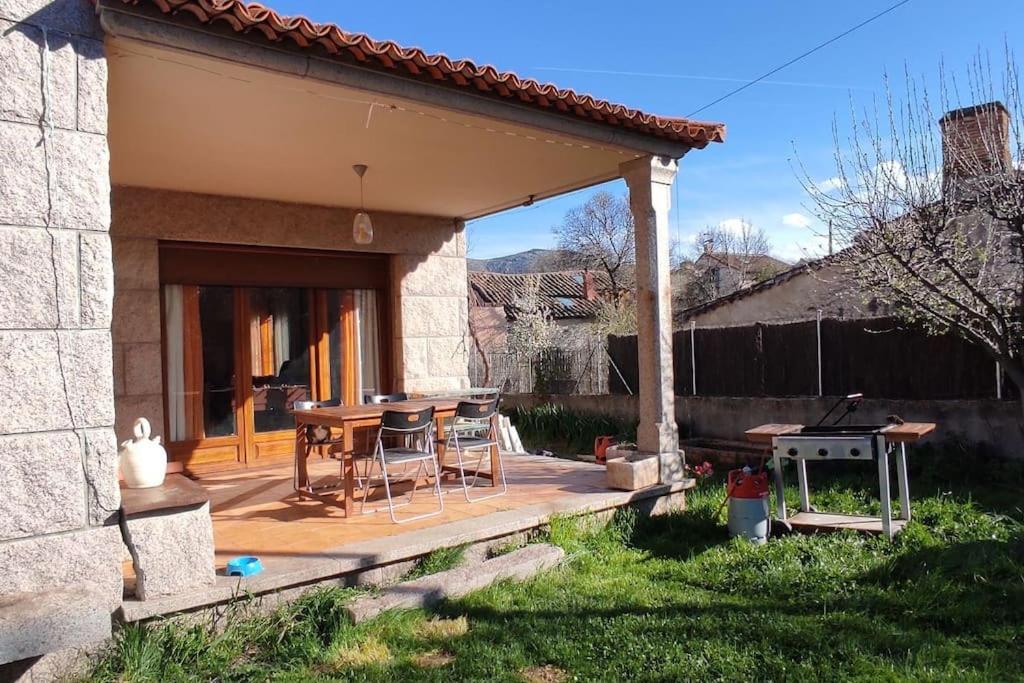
(881, 358)
(555, 371)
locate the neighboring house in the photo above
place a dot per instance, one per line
(717, 274)
(823, 285)
(183, 241)
(571, 299)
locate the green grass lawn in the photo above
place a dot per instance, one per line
(673, 598)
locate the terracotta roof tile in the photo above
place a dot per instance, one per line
(562, 293)
(412, 62)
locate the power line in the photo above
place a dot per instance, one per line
(799, 57)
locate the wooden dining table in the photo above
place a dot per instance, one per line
(350, 419)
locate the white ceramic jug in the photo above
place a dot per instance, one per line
(143, 460)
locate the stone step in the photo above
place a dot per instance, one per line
(429, 590)
(34, 624)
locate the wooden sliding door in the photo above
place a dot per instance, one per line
(237, 356)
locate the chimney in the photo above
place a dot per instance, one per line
(709, 246)
(589, 289)
(975, 142)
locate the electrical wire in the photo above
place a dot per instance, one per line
(800, 57)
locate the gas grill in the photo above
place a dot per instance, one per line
(873, 442)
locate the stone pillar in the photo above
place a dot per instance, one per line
(650, 183)
(59, 494)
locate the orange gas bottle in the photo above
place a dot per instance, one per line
(748, 504)
(601, 445)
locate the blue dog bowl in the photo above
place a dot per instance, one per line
(244, 566)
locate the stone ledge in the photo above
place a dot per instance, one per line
(34, 624)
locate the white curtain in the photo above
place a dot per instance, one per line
(282, 335)
(367, 342)
(174, 321)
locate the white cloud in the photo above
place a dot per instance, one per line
(796, 220)
(830, 184)
(734, 225)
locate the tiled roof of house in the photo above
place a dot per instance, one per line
(562, 293)
(415, 63)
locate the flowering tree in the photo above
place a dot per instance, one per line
(931, 215)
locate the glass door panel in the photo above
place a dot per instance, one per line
(199, 327)
(279, 354)
(353, 345)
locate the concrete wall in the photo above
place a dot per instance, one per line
(994, 423)
(798, 298)
(428, 281)
(58, 458)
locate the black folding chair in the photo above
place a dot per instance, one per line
(415, 430)
(317, 437)
(376, 399)
(473, 430)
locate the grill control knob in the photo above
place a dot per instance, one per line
(823, 452)
(792, 451)
(855, 452)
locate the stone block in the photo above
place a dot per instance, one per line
(128, 408)
(38, 623)
(447, 357)
(23, 195)
(414, 361)
(66, 16)
(426, 316)
(103, 493)
(136, 263)
(672, 467)
(97, 280)
(87, 558)
(89, 373)
(42, 482)
(80, 170)
(142, 369)
(31, 369)
(27, 288)
(92, 87)
(518, 565)
(634, 471)
(66, 267)
(172, 552)
(431, 276)
(21, 88)
(136, 315)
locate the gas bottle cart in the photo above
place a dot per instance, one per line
(869, 443)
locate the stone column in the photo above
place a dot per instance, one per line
(650, 183)
(59, 495)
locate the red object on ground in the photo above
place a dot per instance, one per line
(601, 445)
(747, 485)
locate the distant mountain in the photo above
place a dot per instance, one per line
(530, 261)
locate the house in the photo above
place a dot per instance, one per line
(719, 273)
(571, 299)
(212, 210)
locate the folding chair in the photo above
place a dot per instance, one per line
(415, 430)
(316, 437)
(376, 399)
(473, 430)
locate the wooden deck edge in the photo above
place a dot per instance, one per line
(358, 557)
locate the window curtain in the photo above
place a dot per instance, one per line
(282, 334)
(367, 342)
(174, 322)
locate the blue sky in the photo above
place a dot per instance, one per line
(668, 62)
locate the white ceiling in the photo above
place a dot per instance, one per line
(182, 121)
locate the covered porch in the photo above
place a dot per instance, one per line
(240, 285)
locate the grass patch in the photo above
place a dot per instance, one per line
(672, 598)
(440, 560)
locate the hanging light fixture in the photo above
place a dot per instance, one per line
(362, 226)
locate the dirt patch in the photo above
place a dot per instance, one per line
(365, 653)
(438, 629)
(435, 659)
(544, 674)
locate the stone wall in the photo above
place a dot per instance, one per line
(428, 281)
(995, 425)
(58, 455)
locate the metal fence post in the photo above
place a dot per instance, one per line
(999, 381)
(820, 388)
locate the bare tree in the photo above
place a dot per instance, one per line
(725, 260)
(599, 236)
(932, 215)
